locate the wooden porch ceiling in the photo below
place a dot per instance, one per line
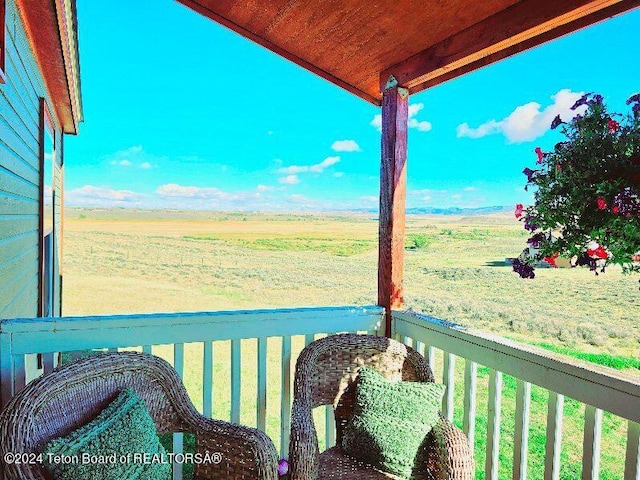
(358, 44)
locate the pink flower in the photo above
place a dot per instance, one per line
(519, 210)
(538, 151)
(602, 204)
(613, 126)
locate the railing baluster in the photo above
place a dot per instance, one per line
(285, 397)
(235, 380)
(308, 338)
(146, 349)
(207, 379)
(330, 426)
(420, 348)
(330, 422)
(261, 400)
(449, 382)
(470, 388)
(591, 444)
(431, 358)
(521, 433)
(178, 440)
(47, 362)
(20, 375)
(632, 460)
(493, 425)
(554, 436)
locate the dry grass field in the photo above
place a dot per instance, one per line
(120, 261)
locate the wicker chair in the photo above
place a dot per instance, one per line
(325, 372)
(72, 395)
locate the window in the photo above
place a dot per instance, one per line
(47, 205)
(3, 35)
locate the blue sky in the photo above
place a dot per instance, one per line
(182, 113)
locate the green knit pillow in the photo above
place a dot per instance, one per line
(106, 448)
(390, 422)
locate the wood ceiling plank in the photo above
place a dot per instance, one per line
(203, 10)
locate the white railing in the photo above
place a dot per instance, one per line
(20, 339)
(263, 344)
(599, 389)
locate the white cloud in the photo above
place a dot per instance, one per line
(264, 188)
(338, 174)
(134, 156)
(175, 190)
(327, 162)
(289, 179)
(527, 122)
(346, 146)
(412, 122)
(90, 195)
(470, 189)
(317, 168)
(422, 126)
(121, 163)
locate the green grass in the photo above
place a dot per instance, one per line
(617, 362)
(332, 246)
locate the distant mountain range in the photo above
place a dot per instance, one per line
(456, 210)
(447, 211)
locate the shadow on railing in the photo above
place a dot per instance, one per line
(589, 387)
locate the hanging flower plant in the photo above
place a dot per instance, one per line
(587, 192)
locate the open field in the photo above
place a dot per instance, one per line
(124, 262)
(177, 261)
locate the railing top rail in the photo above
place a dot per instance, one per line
(612, 390)
(23, 325)
(42, 335)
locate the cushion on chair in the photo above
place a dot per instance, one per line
(104, 448)
(391, 421)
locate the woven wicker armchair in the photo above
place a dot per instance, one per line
(72, 395)
(325, 374)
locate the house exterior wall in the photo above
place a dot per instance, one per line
(20, 151)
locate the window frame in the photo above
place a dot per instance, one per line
(46, 244)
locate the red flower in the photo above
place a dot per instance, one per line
(519, 210)
(601, 203)
(613, 126)
(616, 210)
(598, 253)
(538, 151)
(552, 260)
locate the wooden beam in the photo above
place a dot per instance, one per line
(393, 187)
(524, 25)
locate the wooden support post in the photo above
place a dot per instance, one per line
(393, 189)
